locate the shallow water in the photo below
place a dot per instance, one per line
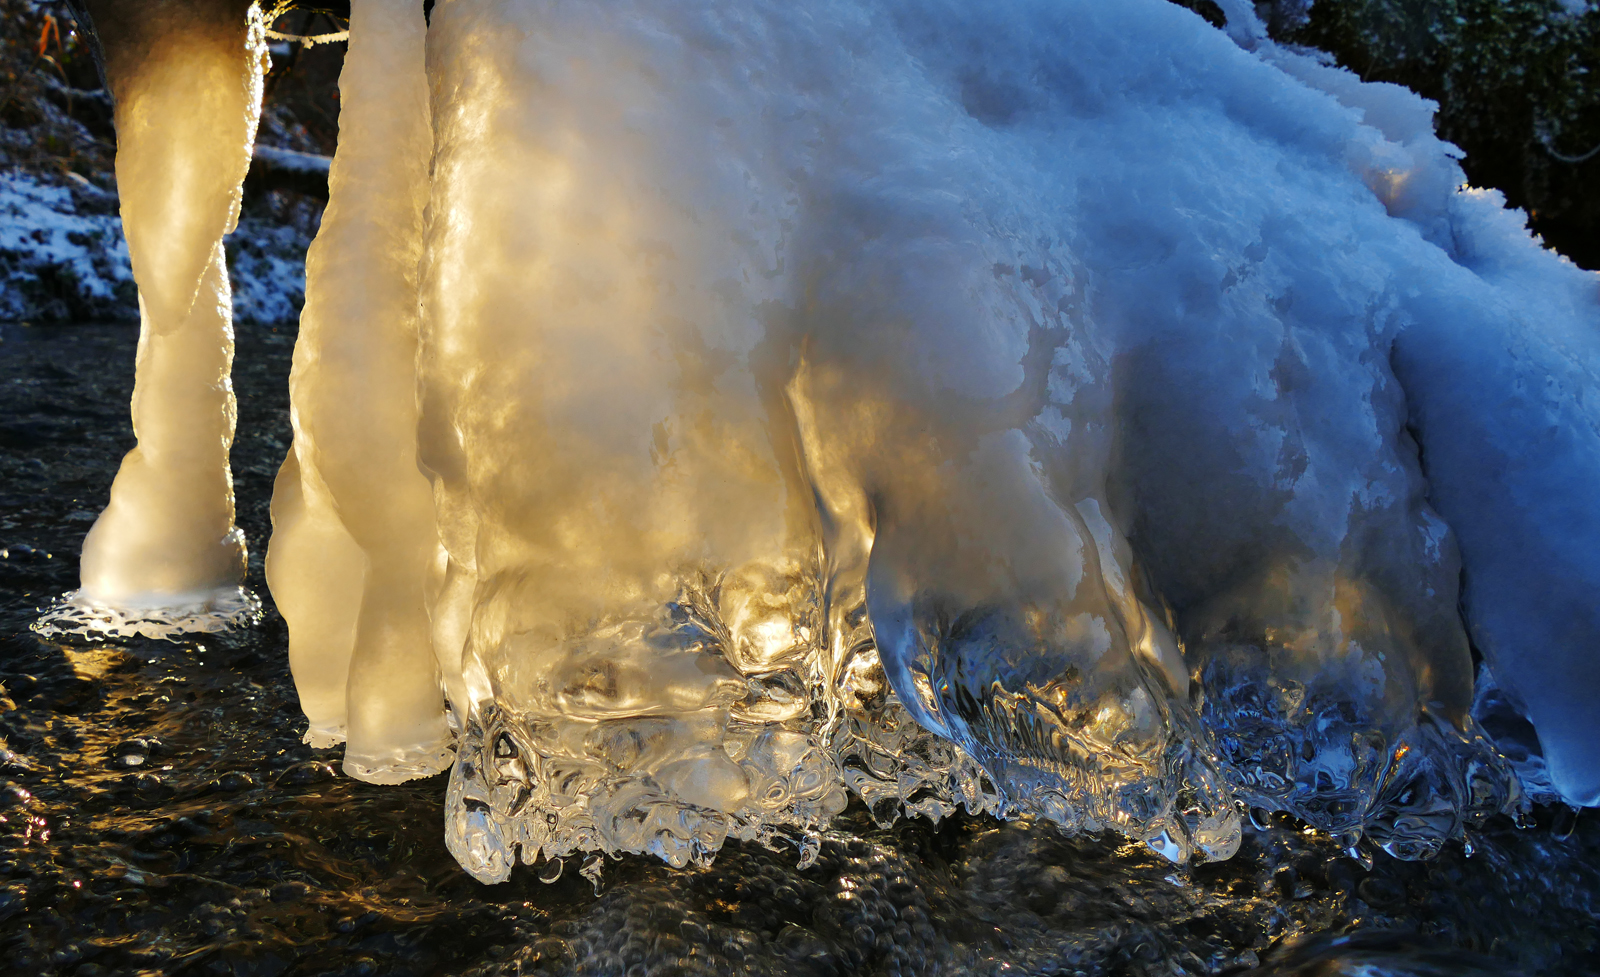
(158, 813)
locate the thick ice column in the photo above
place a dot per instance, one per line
(1502, 395)
(600, 428)
(353, 540)
(1004, 618)
(165, 555)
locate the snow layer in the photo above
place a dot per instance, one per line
(267, 270)
(59, 257)
(63, 258)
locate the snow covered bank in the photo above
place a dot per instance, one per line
(63, 257)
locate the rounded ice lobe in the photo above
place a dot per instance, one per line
(706, 412)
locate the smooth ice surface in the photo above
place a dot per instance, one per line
(353, 540)
(165, 555)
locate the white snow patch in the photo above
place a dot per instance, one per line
(63, 257)
(54, 261)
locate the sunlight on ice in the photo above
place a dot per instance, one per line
(164, 557)
(703, 412)
(354, 546)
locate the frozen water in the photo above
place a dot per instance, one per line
(1054, 408)
(165, 555)
(353, 532)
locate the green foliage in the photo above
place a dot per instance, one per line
(1517, 87)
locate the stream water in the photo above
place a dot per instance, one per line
(159, 814)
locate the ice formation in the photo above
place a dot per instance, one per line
(1057, 408)
(353, 529)
(165, 555)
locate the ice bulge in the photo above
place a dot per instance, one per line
(704, 412)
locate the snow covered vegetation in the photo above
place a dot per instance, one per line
(702, 411)
(63, 258)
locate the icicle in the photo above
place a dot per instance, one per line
(354, 542)
(165, 556)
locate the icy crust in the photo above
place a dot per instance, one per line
(678, 787)
(675, 783)
(1312, 754)
(521, 790)
(541, 789)
(78, 615)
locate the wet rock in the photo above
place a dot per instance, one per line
(290, 892)
(130, 753)
(307, 773)
(10, 903)
(233, 782)
(22, 553)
